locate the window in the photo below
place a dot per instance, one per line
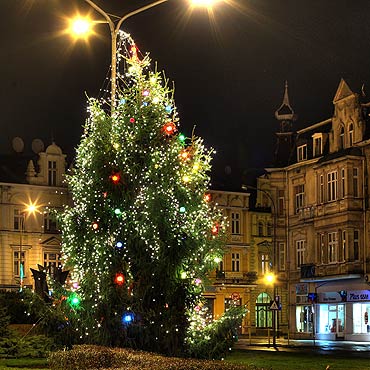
(355, 182)
(317, 146)
(302, 153)
(356, 245)
(281, 203)
(342, 251)
(18, 258)
(260, 228)
(300, 248)
(350, 134)
(52, 261)
(299, 197)
(341, 138)
(50, 223)
(18, 219)
(52, 173)
(332, 247)
(281, 249)
(235, 262)
(269, 229)
(343, 182)
(322, 258)
(265, 264)
(332, 186)
(321, 189)
(235, 223)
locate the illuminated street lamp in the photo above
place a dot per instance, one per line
(271, 277)
(81, 27)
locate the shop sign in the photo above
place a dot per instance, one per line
(358, 295)
(329, 297)
(301, 289)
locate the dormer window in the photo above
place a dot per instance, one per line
(317, 144)
(302, 153)
(350, 134)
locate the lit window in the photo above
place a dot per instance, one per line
(265, 264)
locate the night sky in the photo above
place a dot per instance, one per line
(229, 69)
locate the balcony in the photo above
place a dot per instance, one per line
(236, 277)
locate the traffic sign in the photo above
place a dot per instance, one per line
(274, 306)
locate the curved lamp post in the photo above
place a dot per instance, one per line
(81, 27)
(271, 277)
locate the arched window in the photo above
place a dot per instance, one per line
(263, 312)
(341, 138)
(350, 134)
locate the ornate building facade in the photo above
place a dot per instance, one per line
(319, 183)
(28, 233)
(248, 258)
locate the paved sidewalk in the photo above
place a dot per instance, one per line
(298, 345)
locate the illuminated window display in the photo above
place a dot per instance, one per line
(361, 313)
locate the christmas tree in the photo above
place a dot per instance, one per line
(142, 234)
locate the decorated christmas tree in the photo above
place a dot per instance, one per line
(141, 234)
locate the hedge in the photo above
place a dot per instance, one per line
(83, 357)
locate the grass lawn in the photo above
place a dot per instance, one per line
(24, 364)
(297, 361)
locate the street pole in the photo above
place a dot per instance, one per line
(274, 259)
(21, 267)
(114, 30)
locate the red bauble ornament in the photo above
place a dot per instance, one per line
(119, 278)
(132, 120)
(95, 225)
(169, 128)
(207, 197)
(215, 229)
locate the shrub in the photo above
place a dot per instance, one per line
(95, 357)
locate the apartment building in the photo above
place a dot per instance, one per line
(31, 189)
(319, 183)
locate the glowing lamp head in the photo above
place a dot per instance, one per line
(270, 278)
(81, 27)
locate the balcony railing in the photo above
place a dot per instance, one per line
(236, 277)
